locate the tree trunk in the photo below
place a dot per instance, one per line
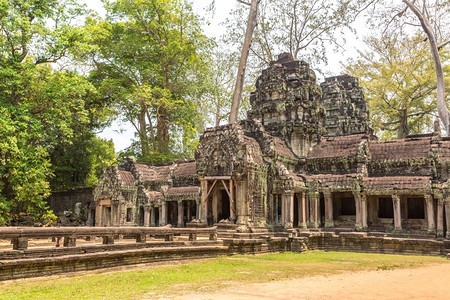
(251, 24)
(162, 130)
(403, 126)
(145, 149)
(426, 26)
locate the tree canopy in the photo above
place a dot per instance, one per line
(398, 76)
(146, 60)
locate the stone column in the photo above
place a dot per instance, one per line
(203, 207)
(313, 210)
(440, 217)
(364, 213)
(288, 201)
(397, 212)
(189, 214)
(180, 213)
(98, 215)
(146, 215)
(160, 221)
(163, 215)
(358, 223)
(152, 217)
(302, 210)
(115, 213)
(430, 213)
(241, 202)
(447, 216)
(329, 221)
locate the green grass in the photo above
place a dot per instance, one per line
(208, 275)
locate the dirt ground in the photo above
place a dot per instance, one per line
(431, 282)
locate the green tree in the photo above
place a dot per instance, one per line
(147, 57)
(42, 109)
(400, 84)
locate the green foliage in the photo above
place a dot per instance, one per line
(24, 164)
(147, 58)
(398, 76)
(47, 116)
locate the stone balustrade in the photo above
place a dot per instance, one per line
(20, 235)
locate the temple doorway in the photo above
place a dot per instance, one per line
(322, 210)
(106, 216)
(172, 213)
(220, 195)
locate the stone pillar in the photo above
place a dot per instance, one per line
(147, 216)
(241, 202)
(397, 212)
(152, 217)
(189, 213)
(203, 207)
(313, 210)
(329, 221)
(440, 217)
(430, 213)
(358, 223)
(98, 215)
(302, 210)
(115, 213)
(364, 212)
(180, 213)
(163, 214)
(288, 201)
(447, 216)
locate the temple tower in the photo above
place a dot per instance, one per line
(346, 109)
(288, 102)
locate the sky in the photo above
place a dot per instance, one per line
(122, 133)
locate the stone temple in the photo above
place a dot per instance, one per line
(304, 158)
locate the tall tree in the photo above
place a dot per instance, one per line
(430, 18)
(251, 25)
(146, 58)
(42, 109)
(423, 17)
(399, 81)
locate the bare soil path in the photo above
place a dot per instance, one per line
(431, 282)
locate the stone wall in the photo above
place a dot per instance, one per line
(60, 201)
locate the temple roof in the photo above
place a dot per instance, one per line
(337, 146)
(183, 191)
(126, 178)
(408, 148)
(185, 169)
(280, 147)
(396, 182)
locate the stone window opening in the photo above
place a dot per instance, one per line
(129, 214)
(223, 206)
(385, 208)
(172, 213)
(348, 207)
(416, 208)
(276, 209)
(141, 216)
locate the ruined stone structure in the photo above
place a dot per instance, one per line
(139, 194)
(304, 158)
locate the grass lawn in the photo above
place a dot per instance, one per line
(208, 275)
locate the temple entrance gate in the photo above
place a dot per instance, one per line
(218, 199)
